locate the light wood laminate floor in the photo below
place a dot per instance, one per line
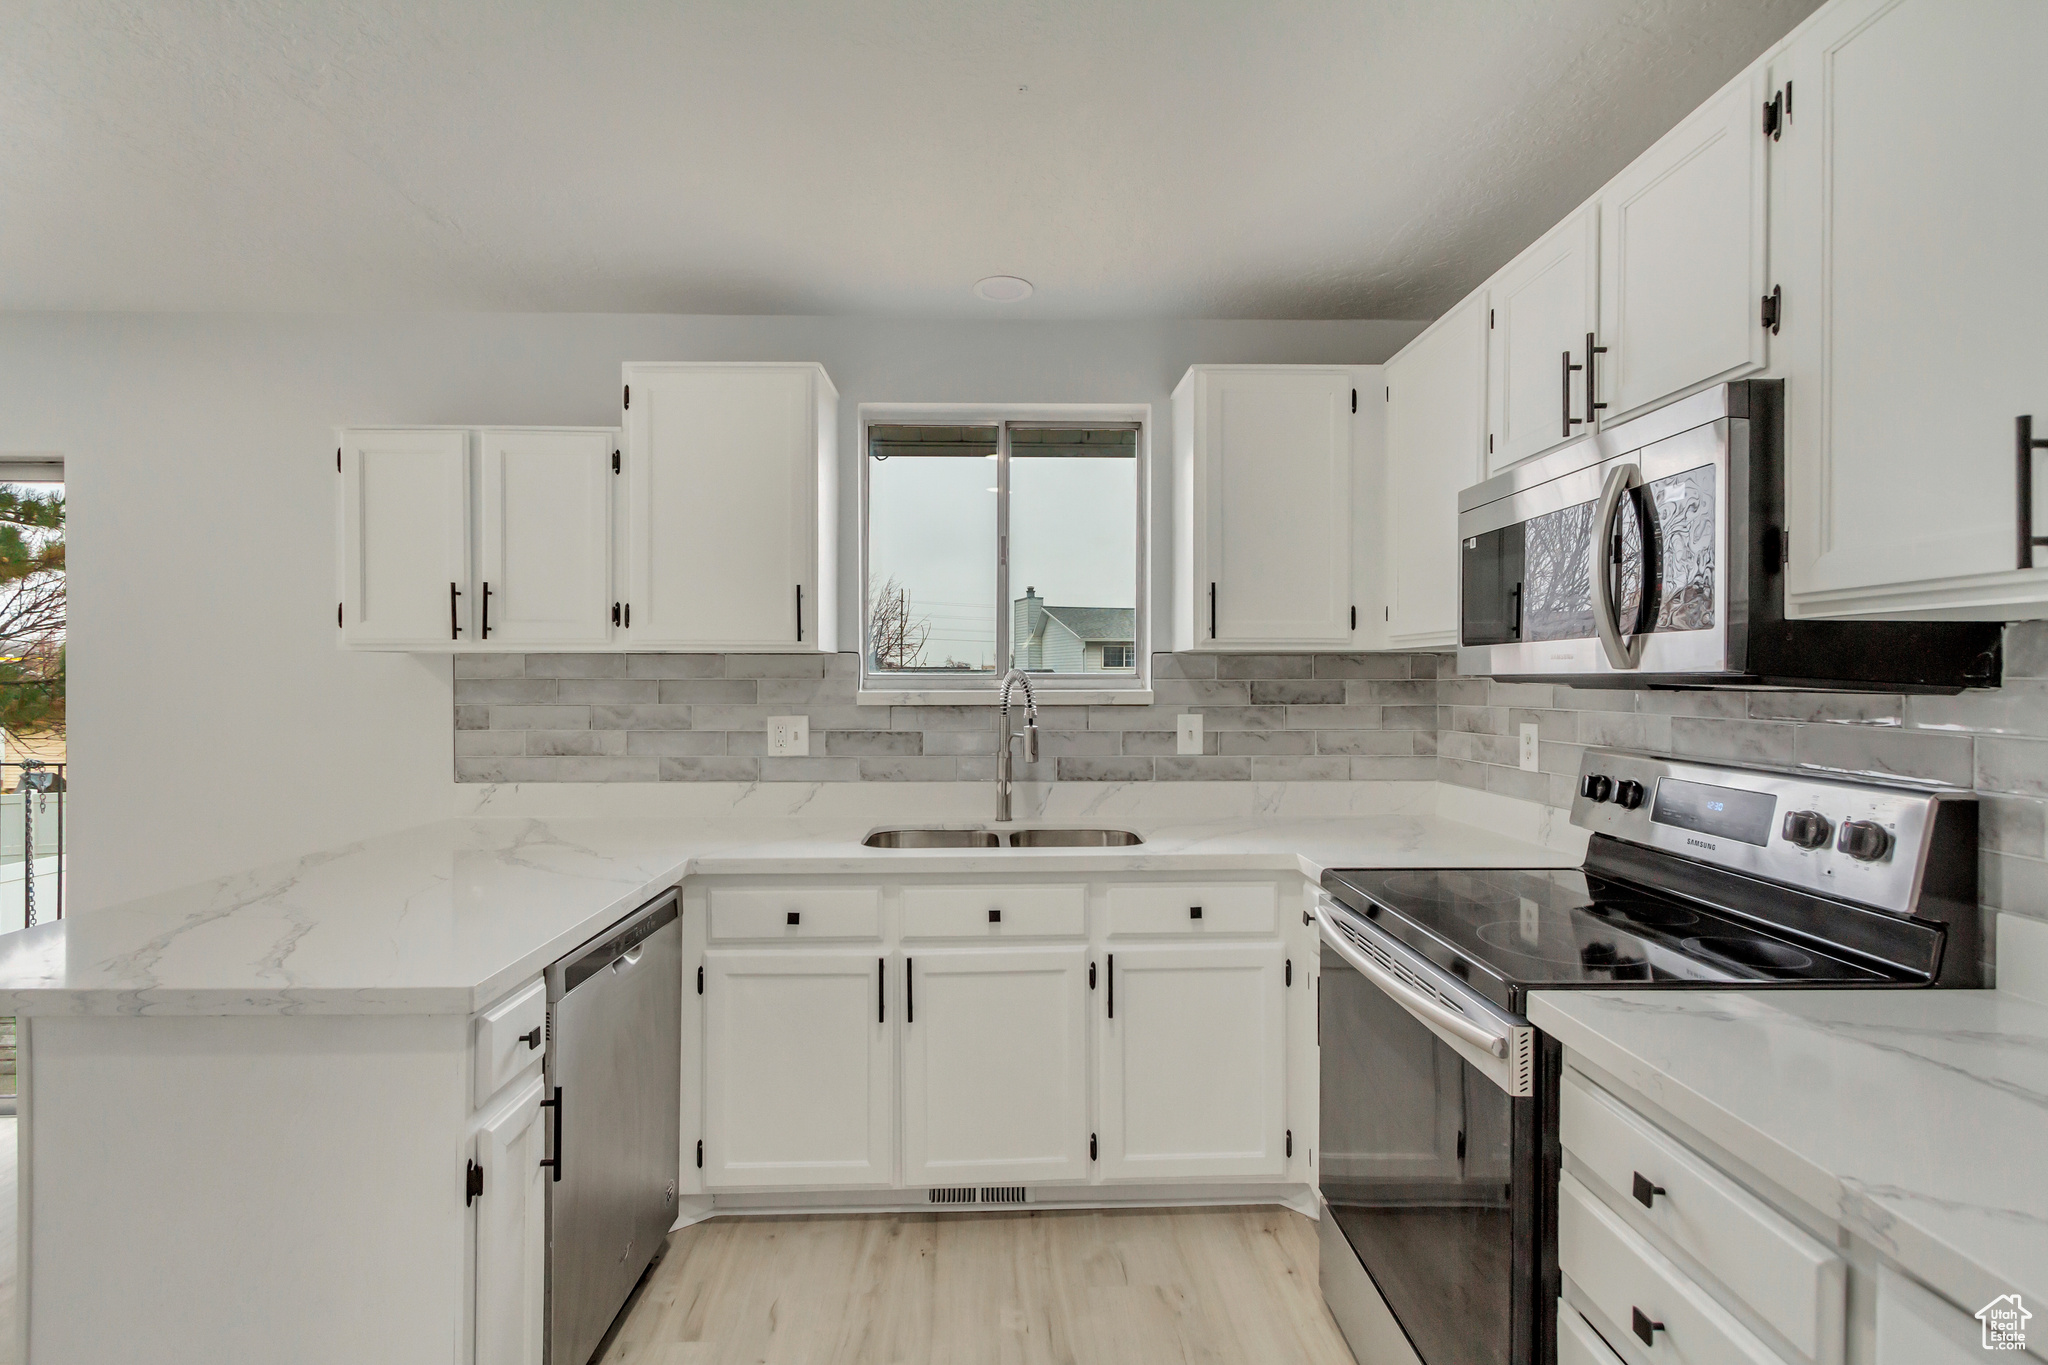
(1216, 1286)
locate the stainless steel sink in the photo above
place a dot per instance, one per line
(1074, 838)
(934, 838)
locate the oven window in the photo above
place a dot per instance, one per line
(1417, 1171)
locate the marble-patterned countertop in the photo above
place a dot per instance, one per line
(1918, 1118)
(445, 918)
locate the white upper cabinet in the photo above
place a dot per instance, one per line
(1908, 207)
(733, 492)
(1436, 447)
(405, 517)
(1545, 304)
(1194, 1062)
(995, 1066)
(1682, 257)
(545, 570)
(1264, 477)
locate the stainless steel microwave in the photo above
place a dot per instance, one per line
(1652, 554)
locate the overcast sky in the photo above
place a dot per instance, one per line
(1073, 536)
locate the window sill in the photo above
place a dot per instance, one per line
(986, 696)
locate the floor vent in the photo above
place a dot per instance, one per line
(1002, 1194)
(952, 1196)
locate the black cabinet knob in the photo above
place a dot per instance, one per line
(1864, 840)
(1643, 1326)
(1628, 795)
(995, 917)
(1645, 1193)
(1194, 912)
(794, 916)
(1806, 828)
(531, 1037)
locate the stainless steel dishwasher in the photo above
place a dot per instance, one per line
(615, 1068)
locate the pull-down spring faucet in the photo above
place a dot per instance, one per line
(1004, 767)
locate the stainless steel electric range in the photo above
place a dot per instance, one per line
(1439, 1100)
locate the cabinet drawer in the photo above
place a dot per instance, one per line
(796, 912)
(994, 911)
(1786, 1277)
(1578, 1343)
(1243, 909)
(509, 1036)
(1629, 1281)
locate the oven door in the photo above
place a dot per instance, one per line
(1430, 1167)
(1552, 574)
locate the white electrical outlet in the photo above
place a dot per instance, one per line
(789, 736)
(1529, 747)
(1189, 735)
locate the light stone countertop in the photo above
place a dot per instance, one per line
(445, 918)
(1917, 1118)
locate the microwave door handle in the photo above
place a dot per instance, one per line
(1415, 1002)
(1606, 610)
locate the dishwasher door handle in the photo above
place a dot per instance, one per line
(554, 1162)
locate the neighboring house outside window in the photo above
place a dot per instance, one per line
(1053, 639)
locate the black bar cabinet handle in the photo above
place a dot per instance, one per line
(554, 1162)
(1592, 387)
(487, 611)
(1565, 393)
(1212, 611)
(1112, 985)
(909, 995)
(799, 613)
(454, 620)
(881, 990)
(2028, 444)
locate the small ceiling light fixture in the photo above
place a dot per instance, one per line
(1003, 289)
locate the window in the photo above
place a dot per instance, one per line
(1013, 540)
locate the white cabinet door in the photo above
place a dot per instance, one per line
(798, 1088)
(1193, 1047)
(405, 538)
(1682, 257)
(995, 1067)
(1907, 215)
(1545, 303)
(511, 1242)
(1916, 1326)
(729, 519)
(1436, 448)
(546, 537)
(1270, 470)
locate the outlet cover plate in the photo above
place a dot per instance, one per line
(1529, 748)
(1188, 735)
(789, 736)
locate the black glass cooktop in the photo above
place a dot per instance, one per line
(1511, 932)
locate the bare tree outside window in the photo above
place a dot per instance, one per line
(896, 637)
(32, 609)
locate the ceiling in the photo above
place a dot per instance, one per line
(1131, 158)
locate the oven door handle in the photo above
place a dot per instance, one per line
(1415, 1002)
(1622, 654)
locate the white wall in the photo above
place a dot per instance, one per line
(214, 725)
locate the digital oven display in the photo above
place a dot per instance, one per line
(1724, 812)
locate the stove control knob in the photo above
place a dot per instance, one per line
(1807, 828)
(1628, 795)
(1864, 840)
(1597, 787)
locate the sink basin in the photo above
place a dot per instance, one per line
(934, 838)
(1074, 838)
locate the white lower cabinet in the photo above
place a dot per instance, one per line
(1193, 1062)
(798, 1069)
(1579, 1344)
(1916, 1326)
(995, 1066)
(511, 1235)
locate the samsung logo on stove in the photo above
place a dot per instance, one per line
(1706, 844)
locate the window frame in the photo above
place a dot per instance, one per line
(947, 688)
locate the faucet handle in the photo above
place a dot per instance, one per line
(1030, 739)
